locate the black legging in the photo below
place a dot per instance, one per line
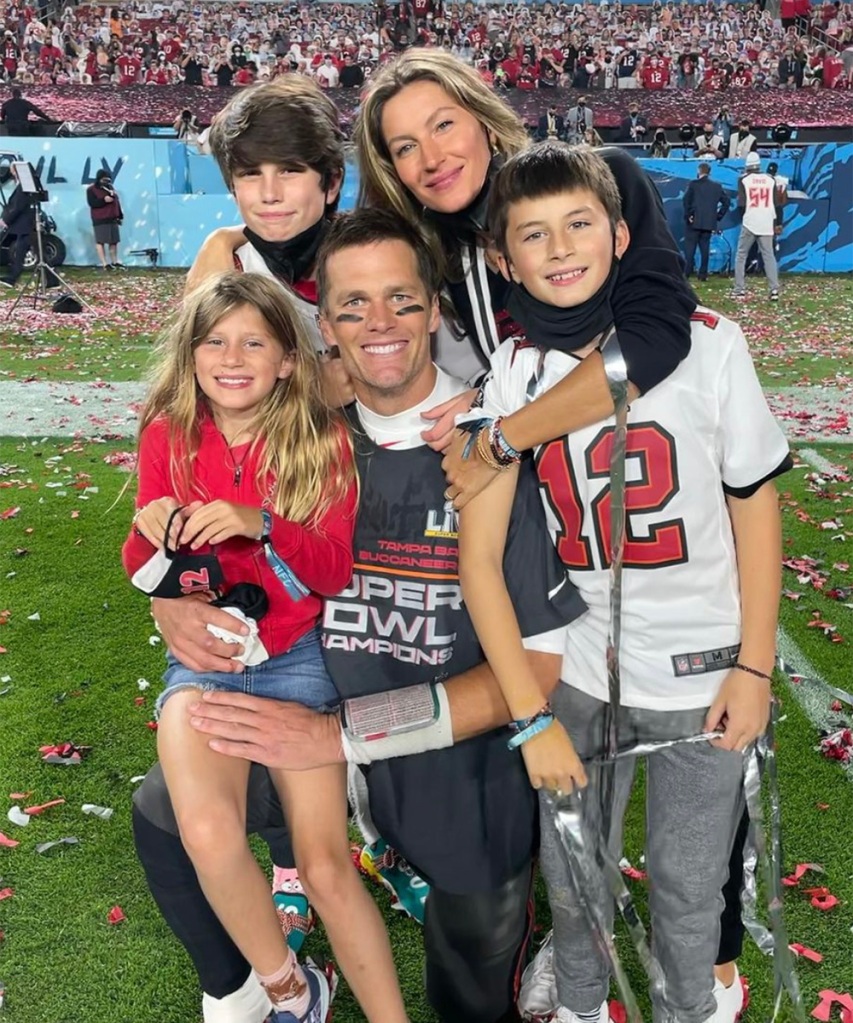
(731, 919)
(473, 944)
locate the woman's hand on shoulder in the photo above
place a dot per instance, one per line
(215, 256)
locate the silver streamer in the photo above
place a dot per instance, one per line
(590, 861)
(584, 869)
(775, 939)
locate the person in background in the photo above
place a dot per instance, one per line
(761, 222)
(659, 147)
(107, 216)
(18, 219)
(15, 114)
(187, 127)
(578, 121)
(709, 143)
(633, 127)
(723, 125)
(742, 142)
(551, 125)
(705, 205)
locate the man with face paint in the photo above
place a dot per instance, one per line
(421, 711)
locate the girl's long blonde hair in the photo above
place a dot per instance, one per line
(379, 183)
(302, 437)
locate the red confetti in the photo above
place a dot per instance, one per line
(116, 915)
(828, 998)
(821, 898)
(618, 1013)
(801, 868)
(9, 513)
(34, 811)
(152, 725)
(139, 701)
(6, 893)
(20, 795)
(823, 806)
(9, 843)
(3, 650)
(634, 874)
(805, 952)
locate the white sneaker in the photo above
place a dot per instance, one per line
(538, 999)
(565, 1015)
(729, 1000)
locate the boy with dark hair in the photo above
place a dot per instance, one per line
(701, 579)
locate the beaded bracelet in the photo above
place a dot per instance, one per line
(501, 444)
(539, 725)
(484, 450)
(519, 724)
(753, 671)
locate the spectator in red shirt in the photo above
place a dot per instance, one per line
(788, 13)
(529, 75)
(129, 68)
(655, 74)
(742, 76)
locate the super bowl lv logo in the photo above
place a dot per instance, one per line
(442, 523)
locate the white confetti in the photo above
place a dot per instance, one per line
(104, 812)
(17, 816)
(34, 617)
(154, 640)
(143, 684)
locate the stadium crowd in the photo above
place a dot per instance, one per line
(788, 44)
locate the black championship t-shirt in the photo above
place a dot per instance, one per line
(464, 817)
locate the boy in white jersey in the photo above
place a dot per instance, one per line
(701, 577)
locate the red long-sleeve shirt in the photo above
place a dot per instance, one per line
(321, 558)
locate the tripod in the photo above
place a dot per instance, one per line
(38, 274)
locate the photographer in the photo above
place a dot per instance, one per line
(660, 147)
(107, 215)
(18, 219)
(187, 127)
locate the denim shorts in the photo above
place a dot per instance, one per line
(299, 675)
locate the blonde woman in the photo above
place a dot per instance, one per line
(430, 138)
(245, 474)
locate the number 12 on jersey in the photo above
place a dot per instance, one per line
(654, 484)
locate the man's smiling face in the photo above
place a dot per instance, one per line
(380, 316)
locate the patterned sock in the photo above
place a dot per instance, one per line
(285, 875)
(287, 988)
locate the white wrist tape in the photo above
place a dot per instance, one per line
(396, 724)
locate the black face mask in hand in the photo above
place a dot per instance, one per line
(175, 573)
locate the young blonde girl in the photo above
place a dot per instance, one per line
(236, 445)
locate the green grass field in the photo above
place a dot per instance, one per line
(76, 640)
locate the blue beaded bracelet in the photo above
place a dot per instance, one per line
(539, 725)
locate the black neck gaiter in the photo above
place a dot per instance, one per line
(293, 259)
(565, 330)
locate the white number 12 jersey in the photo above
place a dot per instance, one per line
(705, 427)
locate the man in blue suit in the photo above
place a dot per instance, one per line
(705, 204)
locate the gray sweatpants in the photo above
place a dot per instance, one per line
(694, 796)
(765, 247)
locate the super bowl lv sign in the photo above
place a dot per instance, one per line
(53, 177)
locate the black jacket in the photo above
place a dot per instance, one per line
(15, 113)
(18, 213)
(705, 204)
(627, 124)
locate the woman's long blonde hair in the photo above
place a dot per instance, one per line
(379, 183)
(301, 436)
